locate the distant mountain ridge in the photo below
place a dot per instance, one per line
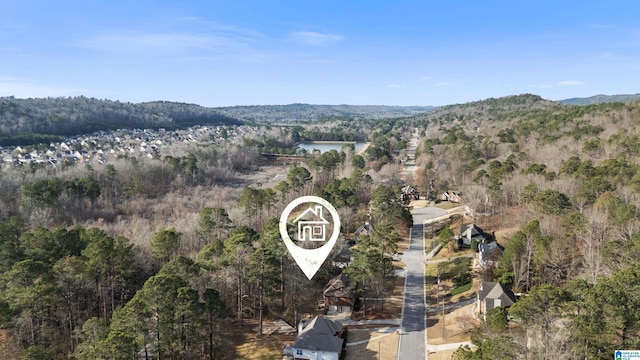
(26, 119)
(596, 99)
(308, 112)
(77, 115)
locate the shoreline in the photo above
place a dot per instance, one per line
(365, 144)
(328, 142)
(364, 148)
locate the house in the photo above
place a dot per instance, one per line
(365, 229)
(492, 295)
(409, 193)
(488, 253)
(319, 338)
(452, 196)
(470, 232)
(338, 294)
(312, 225)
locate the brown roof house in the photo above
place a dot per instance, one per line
(492, 295)
(338, 294)
(319, 338)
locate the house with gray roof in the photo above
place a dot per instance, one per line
(492, 295)
(319, 338)
(488, 253)
(470, 232)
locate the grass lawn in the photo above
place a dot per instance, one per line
(460, 289)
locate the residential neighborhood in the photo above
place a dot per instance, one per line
(104, 146)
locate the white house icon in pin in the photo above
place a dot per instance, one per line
(311, 224)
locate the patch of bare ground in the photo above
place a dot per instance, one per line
(503, 235)
(458, 324)
(417, 204)
(403, 244)
(247, 344)
(441, 355)
(268, 175)
(448, 252)
(446, 205)
(377, 344)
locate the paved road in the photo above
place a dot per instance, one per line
(425, 213)
(414, 321)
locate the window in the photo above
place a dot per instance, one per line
(298, 352)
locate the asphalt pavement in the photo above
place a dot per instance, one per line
(414, 320)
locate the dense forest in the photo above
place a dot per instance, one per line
(30, 121)
(602, 98)
(166, 257)
(566, 179)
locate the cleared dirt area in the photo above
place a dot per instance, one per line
(250, 346)
(441, 355)
(458, 324)
(267, 348)
(377, 344)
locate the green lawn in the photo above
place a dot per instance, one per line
(460, 289)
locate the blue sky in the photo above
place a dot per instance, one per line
(219, 52)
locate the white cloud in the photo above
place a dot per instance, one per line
(219, 28)
(124, 43)
(569, 83)
(314, 38)
(22, 88)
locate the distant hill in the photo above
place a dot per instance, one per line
(491, 109)
(308, 113)
(76, 115)
(596, 99)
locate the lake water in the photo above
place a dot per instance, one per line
(328, 146)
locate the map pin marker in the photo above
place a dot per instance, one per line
(311, 225)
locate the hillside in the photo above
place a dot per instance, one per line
(596, 99)
(28, 121)
(567, 177)
(77, 115)
(309, 113)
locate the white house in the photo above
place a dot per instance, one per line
(319, 339)
(488, 253)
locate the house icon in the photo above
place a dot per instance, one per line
(311, 224)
